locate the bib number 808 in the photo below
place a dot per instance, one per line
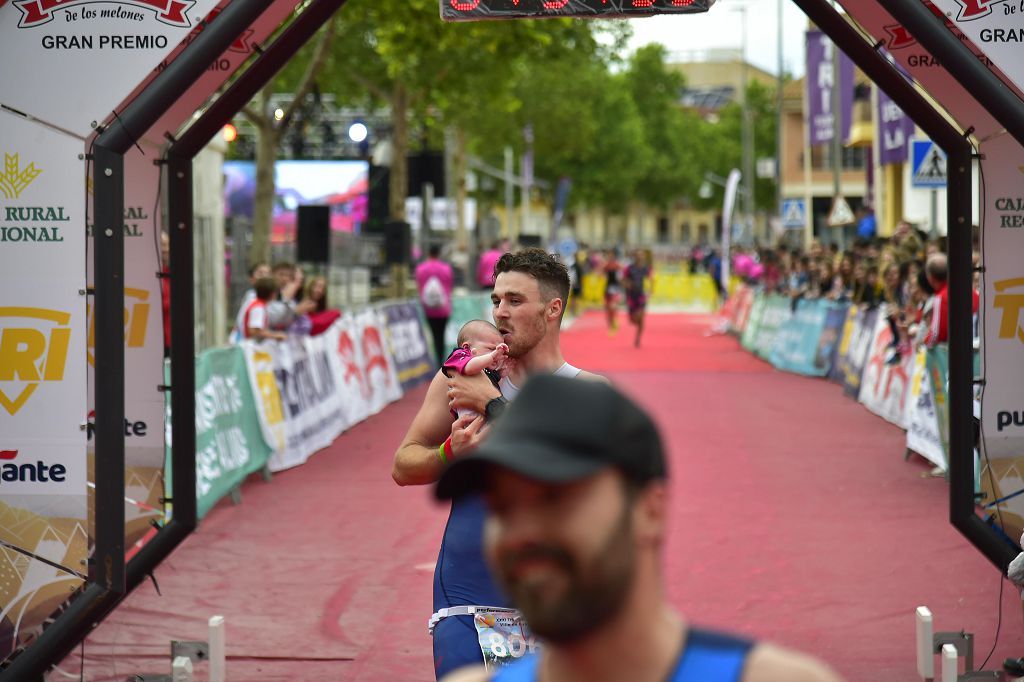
(514, 645)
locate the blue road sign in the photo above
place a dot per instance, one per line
(794, 213)
(929, 165)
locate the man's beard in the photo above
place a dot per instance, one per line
(525, 340)
(595, 593)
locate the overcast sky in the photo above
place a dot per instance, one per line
(721, 27)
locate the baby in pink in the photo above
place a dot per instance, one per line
(480, 349)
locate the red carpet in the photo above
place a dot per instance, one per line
(796, 520)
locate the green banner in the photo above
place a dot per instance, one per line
(229, 442)
(475, 306)
(753, 328)
(776, 311)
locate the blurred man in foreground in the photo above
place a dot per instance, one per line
(574, 480)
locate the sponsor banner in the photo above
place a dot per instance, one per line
(996, 27)
(776, 312)
(314, 413)
(379, 371)
(216, 74)
(821, 81)
(43, 469)
(923, 67)
(1002, 482)
(923, 434)
(752, 330)
(797, 342)
(895, 129)
(883, 385)
(407, 342)
(68, 43)
(144, 345)
(854, 347)
(259, 362)
(1002, 315)
(345, 338)
(826, 357)
(938, 373)
(229, 443)
(465, 308)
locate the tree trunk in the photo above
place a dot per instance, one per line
(459, 170)
(263, 205)
(399, 180)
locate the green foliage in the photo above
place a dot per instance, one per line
(614, 126)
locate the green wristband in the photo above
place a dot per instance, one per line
(440, 454)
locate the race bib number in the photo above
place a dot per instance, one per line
(504, 637)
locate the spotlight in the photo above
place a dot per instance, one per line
(278, 114)
(229, 132)
(357, 132)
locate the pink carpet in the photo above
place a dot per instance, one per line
(796, 520)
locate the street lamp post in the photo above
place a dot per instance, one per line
(747, 131)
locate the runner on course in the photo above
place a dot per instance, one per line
(530, 291)
(575, 485)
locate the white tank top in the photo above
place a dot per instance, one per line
(509, 390)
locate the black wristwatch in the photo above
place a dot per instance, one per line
(494, 408)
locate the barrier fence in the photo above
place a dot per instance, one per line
(272, 405)
(852, 346)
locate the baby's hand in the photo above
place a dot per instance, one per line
(502, 349)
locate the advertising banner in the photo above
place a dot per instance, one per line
(821, 82)
(465, 308)
(314, 408)
(776, 312)
(43, 469)
(854, 347)
(752, 330)
(894, 131)
(923, 434)
(378, 368)
(217, 73)
(143, 346)
(1002, 315)
(86, 56)
(996, 27)
(229, 443)
(797, 341)
(259, 362)
(914, 59)
(826, 357)
(884, 384)
(407, 342)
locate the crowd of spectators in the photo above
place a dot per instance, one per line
(907, 272)
(281, 301)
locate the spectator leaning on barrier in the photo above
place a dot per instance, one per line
(434, 282)
(255, 322)
(575, 484)
(256, 272)
(936, 270)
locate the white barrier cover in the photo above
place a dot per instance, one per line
(883, 386)
(379, 371)
(70, 62)
(43, 493)
(310, 397)
(259, 360)
(923, 435)
(1002, 310)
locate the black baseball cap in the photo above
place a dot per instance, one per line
(561, 430)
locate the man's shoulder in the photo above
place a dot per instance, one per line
(590, 376)
(770, 663)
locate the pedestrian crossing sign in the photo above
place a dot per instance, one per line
(794, 214)
(929, 165)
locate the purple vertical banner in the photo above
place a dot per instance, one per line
(894, 131)
(821, 79)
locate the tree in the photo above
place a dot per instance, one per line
(269, 133)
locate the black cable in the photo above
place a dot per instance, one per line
(981, 395)
(999, 623)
